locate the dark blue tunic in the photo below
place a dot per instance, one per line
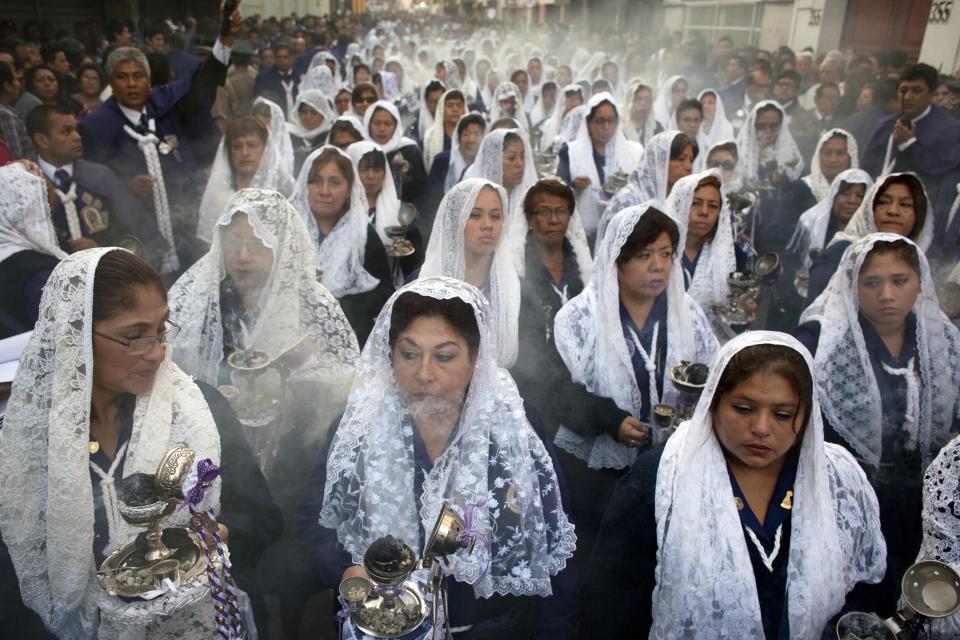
(494, 617)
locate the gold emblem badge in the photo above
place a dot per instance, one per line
(787, 501)
(737, 501)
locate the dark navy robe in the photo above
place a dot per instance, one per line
(492, 618)
(120, 212)
(623, 566)
(269, 85)
(181, 111)
(934, 157)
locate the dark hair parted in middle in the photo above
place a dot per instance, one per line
(900, 248)
(920, 204)
(458, 314)
(649, 227)
(548, 186)
(769, 359)
(680, 142)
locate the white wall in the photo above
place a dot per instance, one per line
(941, 42)
(775, 25)
(823, 36)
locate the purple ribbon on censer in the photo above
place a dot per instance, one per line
(469, 535)
(223, 589)
(207, 472)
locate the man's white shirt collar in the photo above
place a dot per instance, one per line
(50, 171)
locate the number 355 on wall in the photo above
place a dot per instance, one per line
(940, 12)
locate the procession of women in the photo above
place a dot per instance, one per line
(677, 356)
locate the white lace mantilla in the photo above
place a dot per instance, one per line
(494, 459)
(705, 582)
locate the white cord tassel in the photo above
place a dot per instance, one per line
(912, 417)
(148, 147)
(69, 200)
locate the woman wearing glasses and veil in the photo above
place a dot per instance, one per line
(98, 398)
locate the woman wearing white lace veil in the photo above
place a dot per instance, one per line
(896, 203)
(371, 164)
(271, 113)
(249, 156)
(28, 247)
(887, 361)
(310, 121)
(404, 84)
(331, 200)
(330, 61)
(724, 156)
(761, 529)
(490, 82)
(820, 178)
(941, 523)
(668, 157)
(382, 124)
(767, 149)
(699, 207)
(406, 445)
(505, 158)
(568, 99)
(672, 92)
(256, 290)
(617, 339)
(818, 224)
(450, 108)
(70, 435)
(715, 127)
(594, 335)
(507, 102)
(585, 168)
(469, 242)
(321, 79)
(639, 123)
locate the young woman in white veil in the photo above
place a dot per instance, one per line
(568, 99)
(506, 159)
(585, 168)
(768, 152)
(310, 121)
(698, 205)
(450, 108)
(639, 123)
(382, 124)
(896, 203)
(672, 92)
(506, 102)
(469, 242)
(331, 200)
(432, 419)
(249, 156)
(668, 157)
(746, 524)
(256, 290)
(715, 127)
(97, 398)
(617, 340)
(818, 224)
(941, 523)
(271, 113)
(28, 247)
(371, 164)
(887, 362)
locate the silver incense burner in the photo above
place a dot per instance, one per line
(399, 246)
(929, 589)
(158, 557)
(389, 604)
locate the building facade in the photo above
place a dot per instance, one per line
(928, 30)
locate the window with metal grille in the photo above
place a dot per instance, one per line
(739, 20)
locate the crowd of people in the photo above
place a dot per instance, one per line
(672, 324)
